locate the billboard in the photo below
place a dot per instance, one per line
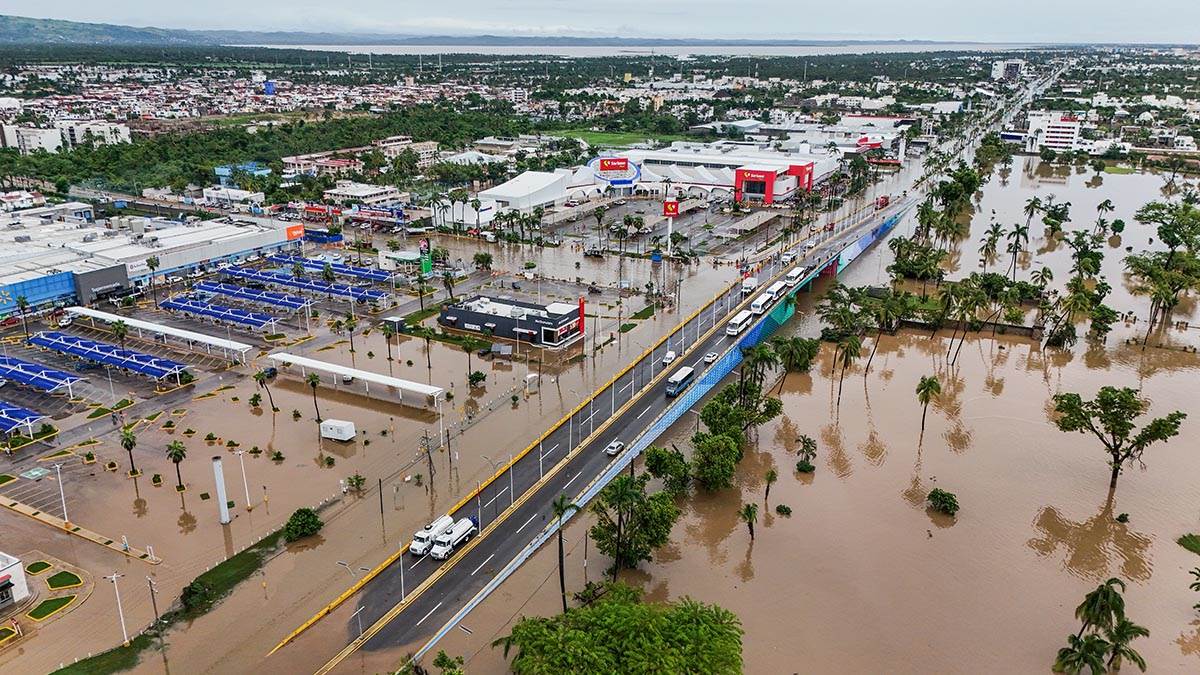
(670, 208)
(295, 232)
(614, 164)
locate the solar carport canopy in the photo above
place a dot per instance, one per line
(160, 329)
(318, 265)
(283, 279)
(13, 416)
(111, 355)
(219, 312)
(413, 394)
(284, 300)
(36, 375)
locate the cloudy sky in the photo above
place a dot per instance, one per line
(976, 20)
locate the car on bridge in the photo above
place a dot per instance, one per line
(613, 449)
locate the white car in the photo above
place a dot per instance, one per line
(65, 322)
(669, 358)
(613, 449)
(253, 258)
(711, 357)
(223, 265)
(788, 256)
(810, 245)
(173, 279)
(195, 274)
(620, 202)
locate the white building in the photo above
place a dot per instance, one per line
(1058, 131)
(28, 140)
(529, 190)
(13, 587)
(223, 195)
(20, 199)
(1010, 69)
(364, 193)
(75, 132)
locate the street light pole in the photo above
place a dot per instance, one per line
(245, 483)
(62, 495)
(153, 598)
(120, 612)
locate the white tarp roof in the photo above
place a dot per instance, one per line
(412, 389)
(138, 324)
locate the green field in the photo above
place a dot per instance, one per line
(616, 137)
(37, 567)
(62, 580)
(49, 607)
(1120, 170)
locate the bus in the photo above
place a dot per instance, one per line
(739, 322)
(795, 275)
(776, 289)
(761, 303)
(680, 380)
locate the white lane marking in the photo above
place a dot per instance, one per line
(489, 502)
(526, 523)
(414, 565)
(644, 412)
(483, 563)
(435, 608)
(572, 480)
(628, 385)
(550, 451)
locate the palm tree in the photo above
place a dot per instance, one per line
(1041, 277)
(1018, 238)
(850, 347)
(261, 378)
(23, 307)
(795, 353)
(351, 323)
(314, 381)
(927, 389)
(426, 334)
(888, 312)
(152, 263)
(120, 330)
(771, 477)
(561, 507)
(1081, 653)
(129, 442)
(176, 452)
(1032, 206)
(749, 515)
(448, 283)
(297, 269)
(1103, 608)
(389, 330)
(1119, 637)
(621, 495)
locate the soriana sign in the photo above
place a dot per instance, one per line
(670, 208)
(295, 232)
(614, 164)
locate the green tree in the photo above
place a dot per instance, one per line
(927, 389)
(177, 452)
(1118, 638)
(850, 347)
(23, 308)
(389, 331)
(714, 461)
(261, 379)
(1110, 418)
(304, 522)
(796, 354)
(671, 467)
(749, 515)
(1103, 607)
(483, 260)
(629, 524)
(120, 330)
(562, 507)
(351, 323)
(129, 442)
(313, 380)
(448, 283)
(771, 476)
(1080, 653)
(152, 263)
(617, 633)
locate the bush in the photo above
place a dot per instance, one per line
(805, 466)
(303, 523)
(783, 510)
(277, 456)
(196, 596)
(476, 378)
(943, 501)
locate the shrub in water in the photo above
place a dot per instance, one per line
(943, 501)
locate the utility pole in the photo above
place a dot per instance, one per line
(62, 495)
(120, 612)
(153, 599)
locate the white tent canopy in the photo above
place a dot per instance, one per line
(412, 394)
(240, 348)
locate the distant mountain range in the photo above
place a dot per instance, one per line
(24, 30)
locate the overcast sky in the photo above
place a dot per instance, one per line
(974, 20)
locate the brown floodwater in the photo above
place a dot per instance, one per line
(863, 577)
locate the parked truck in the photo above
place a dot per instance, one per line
(451, 539)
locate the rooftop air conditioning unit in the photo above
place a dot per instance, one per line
(89, 237)
(22, 239)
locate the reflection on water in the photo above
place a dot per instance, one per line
(1094, 545)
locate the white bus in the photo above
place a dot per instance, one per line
(679, 380)
(795, 275)
(761, 303)
(739, 322)
(776, 289)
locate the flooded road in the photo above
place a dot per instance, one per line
(862, 577)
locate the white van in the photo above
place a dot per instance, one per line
(447, 541)
(795, 276)
(422, 540)
(749, 285)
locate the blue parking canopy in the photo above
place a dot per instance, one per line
(13, 416)
(112, 355)
(220, 312)
(284, 300)
(35, 375)
(315, 286)
(318, 265)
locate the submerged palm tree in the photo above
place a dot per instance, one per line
(176, 452)
(313, 380)
(1082, 653)
(927, 389)
(749, 515)
(1119, 637)
(261, 378)
(129, 442)
(561, 507)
